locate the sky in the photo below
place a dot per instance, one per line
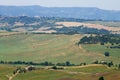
(102, 4)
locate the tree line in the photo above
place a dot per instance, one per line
(67, 63)
(46, 63)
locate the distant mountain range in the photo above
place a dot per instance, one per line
(66, 12)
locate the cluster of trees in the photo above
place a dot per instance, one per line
(109, 64)
(67, 63)
(19, 70)
(100, 39)
(24, 70)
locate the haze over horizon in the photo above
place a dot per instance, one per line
(102, 4)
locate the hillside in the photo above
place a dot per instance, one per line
(53, 48)
(66, 12)
(29, 48)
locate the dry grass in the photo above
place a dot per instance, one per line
(18, 24)
(59, 26)
(69, 24)
(9, 33)
(89, 25)
(44, 31)
(19, 29)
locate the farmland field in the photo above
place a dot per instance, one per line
(53, 48)
(110, 26)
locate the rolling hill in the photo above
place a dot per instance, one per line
(53, 48)
(67, 12)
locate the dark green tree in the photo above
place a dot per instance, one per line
(54, 67)
(107, 54)
(67, 63)
(102, 43)
(101, 78)
(46, 63)
(110, 64)
(119, 66)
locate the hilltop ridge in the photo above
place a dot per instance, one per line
(66, 12)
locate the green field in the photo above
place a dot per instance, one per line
(53, 48)
(101, 49)
(6, 70)
(38, 47)
(90, 72)
(89, 69)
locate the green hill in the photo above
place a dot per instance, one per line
(53, 48)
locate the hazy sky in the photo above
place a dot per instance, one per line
(103, 4)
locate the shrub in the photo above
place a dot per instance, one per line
(107, 54)
(101, 78)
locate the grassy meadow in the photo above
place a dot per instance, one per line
(101, 49)
(38, 47)
(6, 70)
(53, 48)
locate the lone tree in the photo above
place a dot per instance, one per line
(101, 78)
(119, 66)
(101, 43)
(107, 54)
(68, 63)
